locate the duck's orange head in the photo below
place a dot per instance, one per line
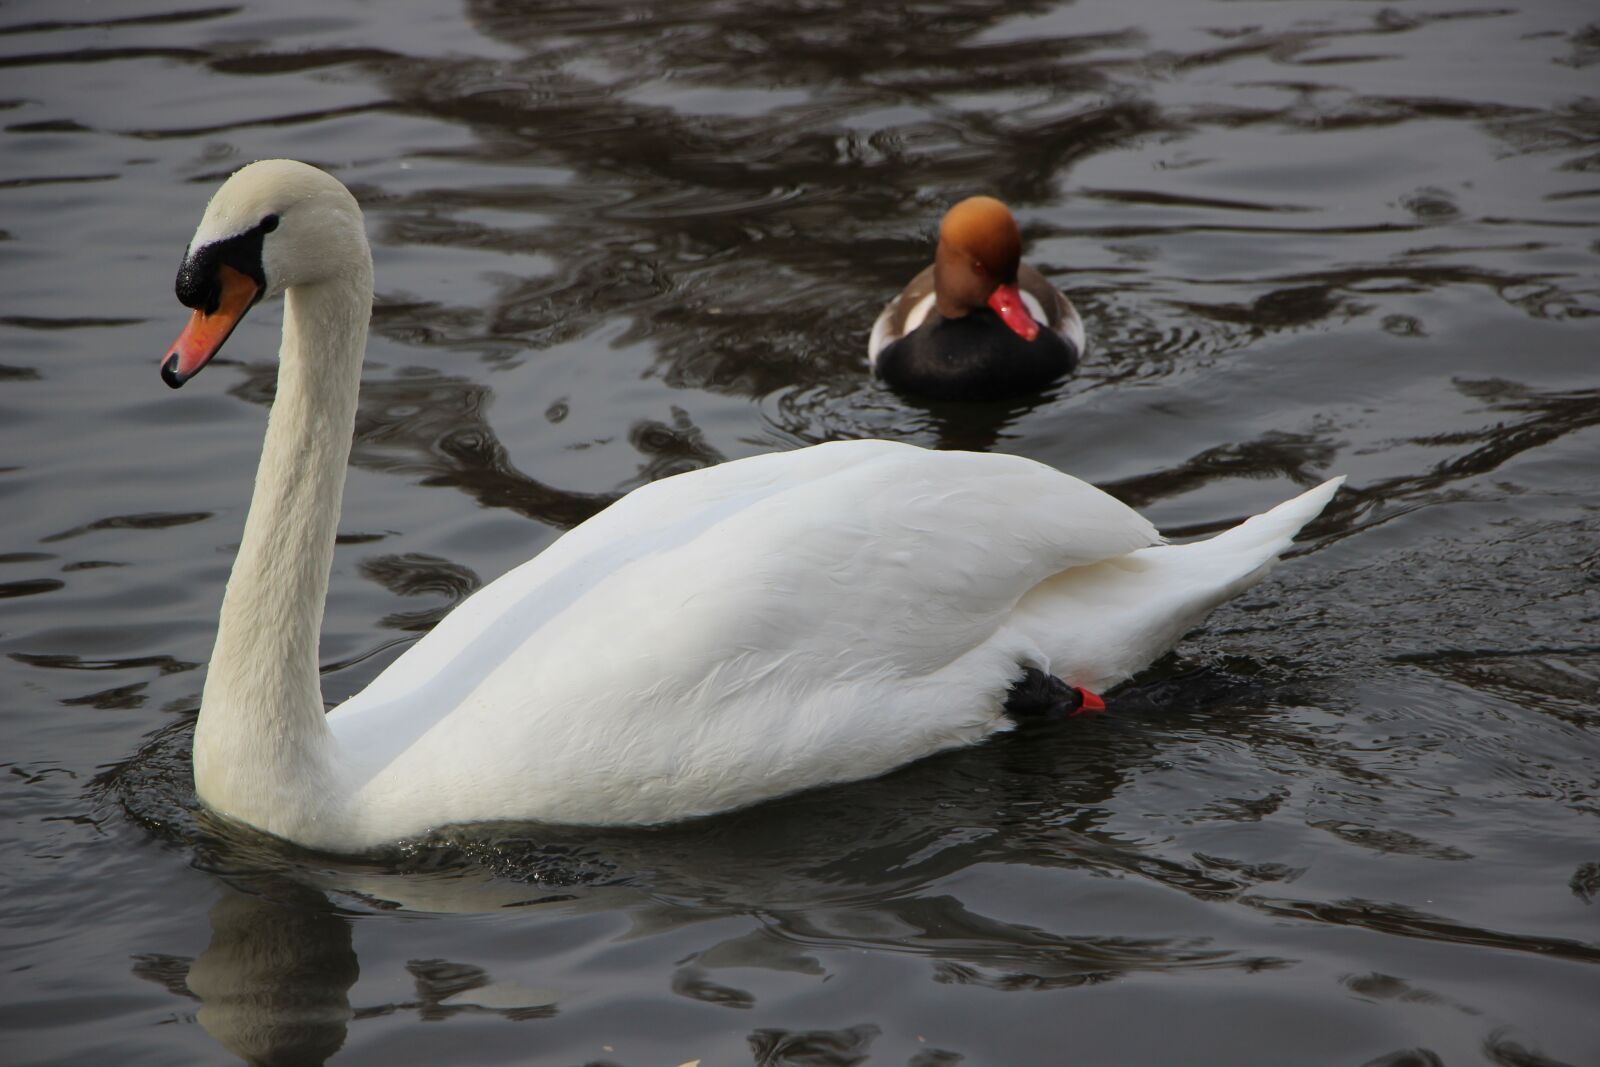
(980, 249)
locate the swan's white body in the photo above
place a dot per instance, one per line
(711, 640)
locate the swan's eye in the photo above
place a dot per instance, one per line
(978, 267)
(269, 224)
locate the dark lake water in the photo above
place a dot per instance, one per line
(1355, 819)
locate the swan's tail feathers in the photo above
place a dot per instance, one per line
(1269, 534)
(1221, 567)
(1139, 605)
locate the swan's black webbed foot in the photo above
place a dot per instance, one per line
(1038, 694)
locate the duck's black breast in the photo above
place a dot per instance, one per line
(975, 357)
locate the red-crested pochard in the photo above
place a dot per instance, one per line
(979, 324)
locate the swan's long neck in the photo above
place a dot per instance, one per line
(263, 752)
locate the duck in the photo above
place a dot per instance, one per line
(978, 323)
(711, 640)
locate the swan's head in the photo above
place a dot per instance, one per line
(274, 225)
(980, 251)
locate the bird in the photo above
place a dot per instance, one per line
(978, 324)
(711, 640)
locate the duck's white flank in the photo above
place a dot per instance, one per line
(710, 640)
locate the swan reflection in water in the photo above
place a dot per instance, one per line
(274, 984)
(770, 887)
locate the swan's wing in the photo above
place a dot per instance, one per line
(880, 555)
(647, 521)
(913, 557)
(734, 633)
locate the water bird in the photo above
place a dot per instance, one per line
(978, 323)
(711, 640)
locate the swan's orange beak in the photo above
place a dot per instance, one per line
(1006, 300)
(206, 331)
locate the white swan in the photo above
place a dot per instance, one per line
(709, 641)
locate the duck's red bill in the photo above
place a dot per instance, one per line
(1006, 301)
(204, 334)
(1092, 704)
